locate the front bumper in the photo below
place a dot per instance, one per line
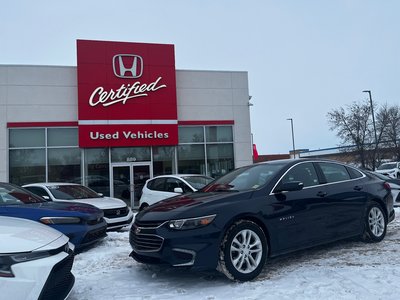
(82, 235)
(45, 278)
(116, 222)
(196, 248)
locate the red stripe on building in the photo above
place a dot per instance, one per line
(41, 124)
(207, 122)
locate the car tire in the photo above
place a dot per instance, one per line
(243, 251)
(375, 223)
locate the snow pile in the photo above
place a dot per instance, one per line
(342, 270)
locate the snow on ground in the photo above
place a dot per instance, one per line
(342, 270)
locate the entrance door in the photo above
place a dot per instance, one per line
(128, 181)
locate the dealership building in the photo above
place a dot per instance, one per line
(122, 115)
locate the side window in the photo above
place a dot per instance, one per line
(334, 172)
(354, 173)
(171, 184)
(157, 184)
(38, 191)
(304, 172)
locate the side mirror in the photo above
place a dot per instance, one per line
(100, 194)
(178, 190)
(290, 186)
(47, 198)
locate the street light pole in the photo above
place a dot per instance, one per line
(373, 122)
(294, 148)
(373, 116)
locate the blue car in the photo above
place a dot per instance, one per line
(82, 223)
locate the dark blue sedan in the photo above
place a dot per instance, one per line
(83, 224)
(260, 211)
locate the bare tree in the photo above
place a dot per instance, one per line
(382, 124)
(393, 130)
(353, 127)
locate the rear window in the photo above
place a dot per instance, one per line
(198, 182)
(387, 166)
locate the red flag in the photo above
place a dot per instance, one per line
(255, 152)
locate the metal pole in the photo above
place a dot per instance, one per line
(373, 117)
(294, 148)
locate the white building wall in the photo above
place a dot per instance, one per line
(49, 94)
(218, 95)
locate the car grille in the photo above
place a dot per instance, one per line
(145, 242)
(148, 224)
(116, 212)
(94, 235)
(60, 281)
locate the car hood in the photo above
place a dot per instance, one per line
(191, 205)
(66, 206)
(21, 235)
(36, 210)
(101, 202)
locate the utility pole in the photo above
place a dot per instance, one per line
(294, 148)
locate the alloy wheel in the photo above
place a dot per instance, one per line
(376, 221)
(246, 251)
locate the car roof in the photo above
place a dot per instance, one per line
(50, 184)
(181, 176)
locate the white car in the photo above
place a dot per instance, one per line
(166, 186)
(116, 213)
(35, 261)
(391, 169)
(394, 184)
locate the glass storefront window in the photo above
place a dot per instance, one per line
(219, 134)
(62, 137)
(163, 160)
(191, 159)
(64, 164)
(220, 159)
(27, 166)
(25, 138)
(191, 134)
(97, 170)
(130, 154)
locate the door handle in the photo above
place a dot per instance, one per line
(358, 188)
(322, 194)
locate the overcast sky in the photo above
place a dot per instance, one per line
(304, 57)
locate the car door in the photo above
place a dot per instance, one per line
(300, 215)
(347, 197)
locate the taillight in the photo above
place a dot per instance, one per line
(387, 186)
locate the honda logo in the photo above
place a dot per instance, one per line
(127, 66)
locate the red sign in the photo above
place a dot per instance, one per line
(126, 94)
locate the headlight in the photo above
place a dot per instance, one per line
(191, 223)
(6, 261)
(60, 220)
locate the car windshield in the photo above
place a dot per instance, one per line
(387, 166)
(10, 194)
(72, 192)
(246, 178)
(198, 182)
